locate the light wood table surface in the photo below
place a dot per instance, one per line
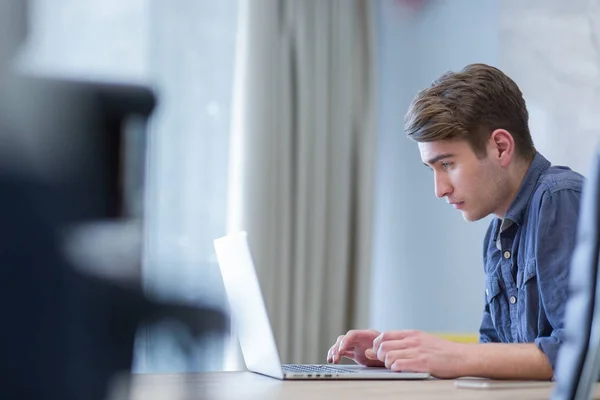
(249, 386)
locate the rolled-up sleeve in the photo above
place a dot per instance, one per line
(550, 345)
(555, 241)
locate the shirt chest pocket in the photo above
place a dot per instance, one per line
(526, 276)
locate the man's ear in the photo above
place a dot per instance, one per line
(502, 146)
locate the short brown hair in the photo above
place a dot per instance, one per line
(470, 105)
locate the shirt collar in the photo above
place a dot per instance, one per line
(517, 208)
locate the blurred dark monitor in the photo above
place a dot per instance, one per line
(117, 149)
(89, 142)
(110, 180)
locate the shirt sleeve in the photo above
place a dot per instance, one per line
(554, 244)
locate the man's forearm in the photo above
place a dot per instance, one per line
(505, 361)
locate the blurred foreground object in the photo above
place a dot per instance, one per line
(578, 365)
(65, 202)
(72, 158)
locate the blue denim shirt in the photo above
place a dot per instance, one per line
(527, 257)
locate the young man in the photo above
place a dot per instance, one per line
(472, 131)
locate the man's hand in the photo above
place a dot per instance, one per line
(418, 352)
(353, 345)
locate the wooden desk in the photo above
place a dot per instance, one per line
(249, 386)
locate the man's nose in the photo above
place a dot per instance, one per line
(442, 186)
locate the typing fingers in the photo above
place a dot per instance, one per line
(334, 350)
(370, 354)
(392, 345)
(402, 356)
(353, 339)
(391, 336)
(408, 364)
(335, 356)
(347, 345)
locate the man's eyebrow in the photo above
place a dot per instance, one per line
(438, 158)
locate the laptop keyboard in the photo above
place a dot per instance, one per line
(315, 369)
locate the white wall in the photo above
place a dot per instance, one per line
(552, 49)
(427, 263)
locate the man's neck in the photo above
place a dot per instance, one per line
(517, 175)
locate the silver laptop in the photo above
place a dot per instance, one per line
(252, 325)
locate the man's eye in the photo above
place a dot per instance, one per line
(446, 165)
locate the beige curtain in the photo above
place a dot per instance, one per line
(302, 164)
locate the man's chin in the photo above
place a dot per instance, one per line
(470, 217)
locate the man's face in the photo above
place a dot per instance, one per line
(475, 186)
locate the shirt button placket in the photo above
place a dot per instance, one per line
(512, 299)
(512, 303)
